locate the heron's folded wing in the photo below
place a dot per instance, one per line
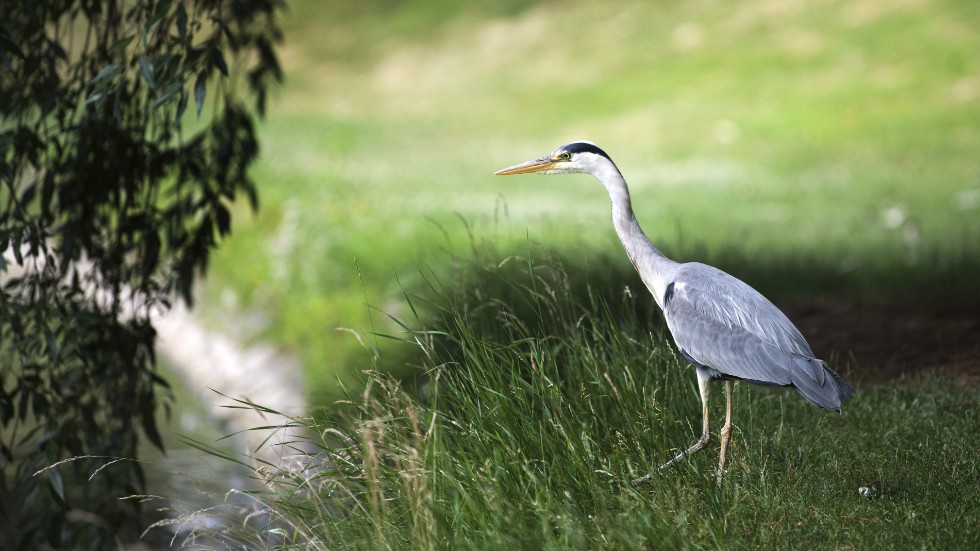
(738, 353)
(729, 326)
(734, 303)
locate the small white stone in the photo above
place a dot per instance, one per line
(868, 491)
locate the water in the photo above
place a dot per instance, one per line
(201, 491)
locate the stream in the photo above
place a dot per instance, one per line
(203, 492)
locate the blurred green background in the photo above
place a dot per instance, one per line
(833, 145)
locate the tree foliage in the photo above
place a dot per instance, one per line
(126, 133)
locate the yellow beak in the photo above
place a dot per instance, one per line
(541, 164)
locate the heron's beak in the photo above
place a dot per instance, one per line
(540, 164)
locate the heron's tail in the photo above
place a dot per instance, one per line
(827, 390)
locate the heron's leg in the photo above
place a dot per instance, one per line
(705, 435)
(726, 431)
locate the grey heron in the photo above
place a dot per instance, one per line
(726, 329)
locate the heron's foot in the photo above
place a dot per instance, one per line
(646, 478)
(642, 480)
(680, 457)
(698, 446)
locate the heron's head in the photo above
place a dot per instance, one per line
(576, 157)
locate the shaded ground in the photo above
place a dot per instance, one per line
(890, 342)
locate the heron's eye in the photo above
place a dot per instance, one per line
(565, 156)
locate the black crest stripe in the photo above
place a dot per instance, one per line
(584, 147)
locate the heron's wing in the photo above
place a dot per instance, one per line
(721, 323)
(718, 296)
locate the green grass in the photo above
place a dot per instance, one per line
(818, 149)
(762, 133)
(542, 396)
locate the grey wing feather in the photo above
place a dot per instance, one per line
(721, 323)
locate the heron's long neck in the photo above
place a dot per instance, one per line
(655, 269)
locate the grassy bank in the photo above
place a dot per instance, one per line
(537, 409)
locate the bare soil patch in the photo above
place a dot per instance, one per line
(875, 342)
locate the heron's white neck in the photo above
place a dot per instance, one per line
(654, 268)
